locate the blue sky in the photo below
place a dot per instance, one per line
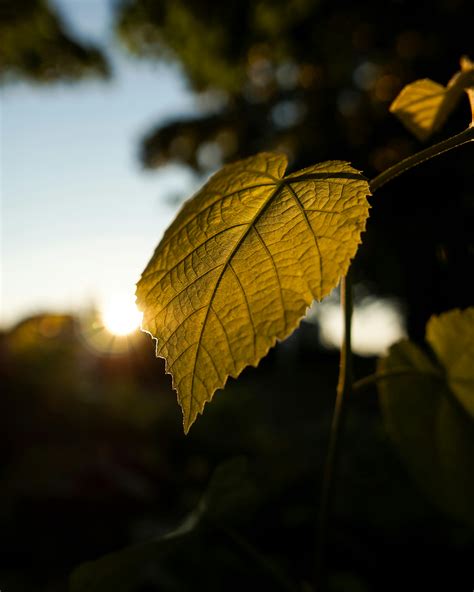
(80, 218)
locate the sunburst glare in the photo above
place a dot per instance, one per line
(120, 316)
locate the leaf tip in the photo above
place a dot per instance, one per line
(466, 63)
(189, 417)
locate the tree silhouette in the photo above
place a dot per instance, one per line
(35, 45)
(306, 77)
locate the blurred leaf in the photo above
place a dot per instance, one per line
(427, 418)
(241, 263)
(213, 551)
(231, 492)
(451, 336)
(424, 105)
(131, 568)
(230, 495)
(467, 66)
(196, 561)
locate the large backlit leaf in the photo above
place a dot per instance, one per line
(241, 263)
(426, 410)
(424, 105)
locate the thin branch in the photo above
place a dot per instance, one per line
(408, 163)
(344, 387)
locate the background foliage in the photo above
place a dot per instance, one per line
(35, 44)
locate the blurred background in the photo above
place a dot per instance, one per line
(113, 113)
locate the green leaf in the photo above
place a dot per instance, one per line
(200, 560)
(468, 66)
(229, 500)
(424, 105)
(427, 408)
(241, 263)
(213, 549)
(451, 336)
(131, 568)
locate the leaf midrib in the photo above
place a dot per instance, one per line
(278, 188)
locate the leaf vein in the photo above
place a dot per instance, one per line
(190, 285)
(270, 256)
(181, 354)
(160, 348)
(190, 254)
(257, 216)
(212, 361)
(313, 234)
(249, 311)
(225, 335)
(168, 239)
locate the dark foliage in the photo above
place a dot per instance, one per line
(94, 459)
(311, 78)
(34, 44)
(315, 80)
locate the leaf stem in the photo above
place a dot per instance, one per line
(266, 566)
(344, 387)
(373, 379)
(415, 159)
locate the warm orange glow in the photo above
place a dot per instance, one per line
(120, 316)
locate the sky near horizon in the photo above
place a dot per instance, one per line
(80, 217)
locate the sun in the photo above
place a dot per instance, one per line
(120, 316)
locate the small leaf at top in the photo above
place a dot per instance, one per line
(241, 263)
(468, 66)
(424, 105)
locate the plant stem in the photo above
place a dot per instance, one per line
(344, 386)
(345, 383)
(408, 163)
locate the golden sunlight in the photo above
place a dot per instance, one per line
(120, 316)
